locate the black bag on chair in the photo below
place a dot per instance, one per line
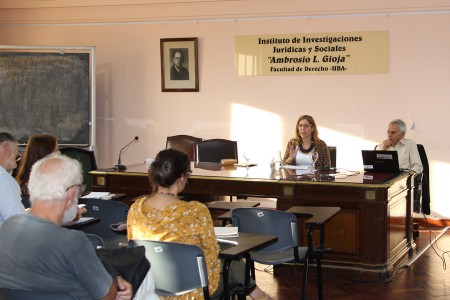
(130, 263)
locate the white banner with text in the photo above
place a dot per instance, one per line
(314, 53)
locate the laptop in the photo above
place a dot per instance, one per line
(380, 161)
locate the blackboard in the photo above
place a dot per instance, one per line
(43, 92)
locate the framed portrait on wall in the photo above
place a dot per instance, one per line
(179, 65)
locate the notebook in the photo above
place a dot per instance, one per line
(80, 222)
(224, 232)
(380, 161)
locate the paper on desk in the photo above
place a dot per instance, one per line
(245, 165)
(228, 231)
(291, 167)
(96, 195)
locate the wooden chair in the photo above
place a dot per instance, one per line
(183, 143)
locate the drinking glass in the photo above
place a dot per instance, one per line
(314, 157)
(247, 158)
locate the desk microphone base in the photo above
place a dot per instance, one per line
(119, 168)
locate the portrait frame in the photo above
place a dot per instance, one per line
(182, 77)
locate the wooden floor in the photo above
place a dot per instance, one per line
(426, 278)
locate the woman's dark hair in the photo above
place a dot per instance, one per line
(169, 165)
(38, 146)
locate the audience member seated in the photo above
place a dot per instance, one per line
(408, 155)
(38, 146)
(43, 256)
(163, 216)
(305, 142)
(11, 201)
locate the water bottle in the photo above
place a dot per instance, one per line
(277, 160)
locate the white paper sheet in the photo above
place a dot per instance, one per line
(290, 167)
(96, 195)
(227, 231)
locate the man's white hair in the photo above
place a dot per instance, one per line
(400, 124)
(51, 177)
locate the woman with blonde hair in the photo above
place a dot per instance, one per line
(306, 141)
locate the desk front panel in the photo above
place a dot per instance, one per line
(371, 232)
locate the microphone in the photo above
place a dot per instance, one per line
(119, 166)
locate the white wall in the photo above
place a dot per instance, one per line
(352, 111)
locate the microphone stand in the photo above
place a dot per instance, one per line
(119, 166)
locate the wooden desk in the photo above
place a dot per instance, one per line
(228, 206)
(372, 231)
(247, 242)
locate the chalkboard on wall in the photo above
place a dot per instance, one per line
(44, 92)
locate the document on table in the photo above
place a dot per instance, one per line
(291, 167)
(226, 232)
(222, 233)
(99, 195)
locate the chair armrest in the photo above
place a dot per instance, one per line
(317, 215)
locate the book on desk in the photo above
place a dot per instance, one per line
(102, 195)
(226, 232)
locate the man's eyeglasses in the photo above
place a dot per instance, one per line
(82, 188)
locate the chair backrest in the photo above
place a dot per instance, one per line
(96, 241)
(87, 160)
(15, 294)
(26, 201)
(215, 150)
(423, 159)
(177, 268)
(332, 151)
(270, 222)
(425, 188)
(109, 212)
(183, 143)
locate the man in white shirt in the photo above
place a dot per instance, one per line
(10, 198)
(408, 155)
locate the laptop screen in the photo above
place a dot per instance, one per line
(380, 161)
